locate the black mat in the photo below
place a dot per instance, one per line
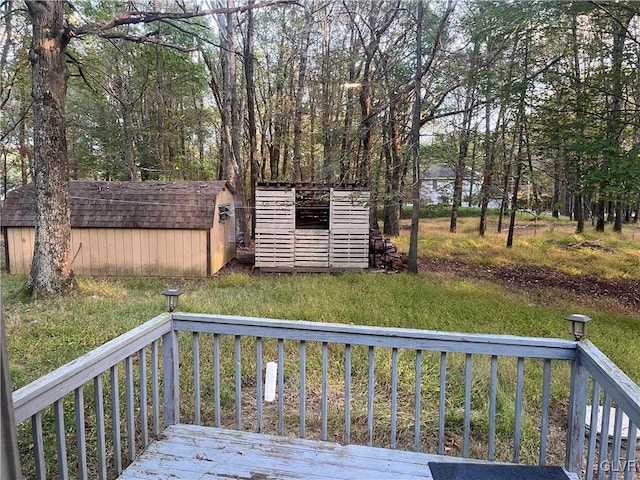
(470, 471)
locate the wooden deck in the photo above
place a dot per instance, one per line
(199, 453)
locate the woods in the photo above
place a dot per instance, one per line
(536, 103)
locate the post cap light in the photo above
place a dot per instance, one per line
(578, 325)
(172, 299)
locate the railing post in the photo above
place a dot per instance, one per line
(577, 410)
(171, 378)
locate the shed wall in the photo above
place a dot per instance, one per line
(121, 252)
(223, 233)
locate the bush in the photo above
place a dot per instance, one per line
(440, 211)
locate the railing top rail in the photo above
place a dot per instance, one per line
(614, 381)
(35, 396)
(508, 345)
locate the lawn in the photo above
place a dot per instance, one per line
(43, 335)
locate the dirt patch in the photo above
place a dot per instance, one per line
(623, 292)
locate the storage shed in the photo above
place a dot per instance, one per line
(163, 229)
(307, 227)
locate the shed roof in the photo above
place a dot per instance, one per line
(174, 205)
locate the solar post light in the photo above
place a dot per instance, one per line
(578, 325)
(171, 297)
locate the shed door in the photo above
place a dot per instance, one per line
(275, 224)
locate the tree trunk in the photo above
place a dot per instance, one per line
(297, 122)
(412, 265)
(51, 269)
(251, 113)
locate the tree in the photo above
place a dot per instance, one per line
(51, 270)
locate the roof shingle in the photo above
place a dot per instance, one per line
(174, 205)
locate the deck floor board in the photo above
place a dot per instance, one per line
(205, 453)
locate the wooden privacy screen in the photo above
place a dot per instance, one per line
(283, 245)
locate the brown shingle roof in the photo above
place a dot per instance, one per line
(188, 205)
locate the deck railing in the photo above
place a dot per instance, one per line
(490, 397)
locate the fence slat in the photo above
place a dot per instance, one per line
(142, 371)
(98, 399)
(347, 393)
(593, 430)
(616, 444)
(216, 380)
(441, 405)
(237, 355)
(394, 397)
(417, 401)
(604, 435)
(38, 446)
(544, 420)
(81, 440)
(130, 408)
(259, 384)
(370, 392)
(155, 391)
(115, 419)
(195, 339)
(303, 387)
(631, 452)
(280, 386)
(325, 388)
(61, 441)
(517, 434)
(493, 396)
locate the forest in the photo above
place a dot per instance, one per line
(539, 100)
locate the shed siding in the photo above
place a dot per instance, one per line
(275, 226)
(223, 242)
(122, 252)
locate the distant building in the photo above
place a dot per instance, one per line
(437, 188)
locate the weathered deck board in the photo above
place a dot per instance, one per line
(195, 452)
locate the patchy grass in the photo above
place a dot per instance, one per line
(45, 334)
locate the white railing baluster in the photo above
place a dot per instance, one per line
(544, 413)
(195, 338)
(441, 405)
(98, 399)
(130, 409)
(81, 439)
(280, 386)
(631, 465)
(616, 445)
(394, 396)
(155, 391)
(259, 384)
(115, 419)
(144, 426)
(603, 451)
(216, 380)
(303, 388)
(325, 388)
(38, 446)
(417, 401)
(593, 430)
(493, 397)
(370, 393)
(237, 355)
(61, 441)
(468, 364)
(347, 393)
(517, 435)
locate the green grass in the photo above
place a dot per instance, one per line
(45, 334)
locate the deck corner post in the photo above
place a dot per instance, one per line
(171, 378)
(577, 410)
